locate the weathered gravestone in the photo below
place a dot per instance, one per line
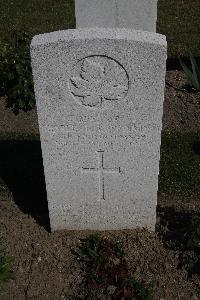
(136, 14)
(99, 96)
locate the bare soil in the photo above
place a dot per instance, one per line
(181, 110)
(44, 266)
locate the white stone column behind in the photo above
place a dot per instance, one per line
(135, 14)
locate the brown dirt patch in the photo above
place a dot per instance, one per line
(44, 267)
(181, 111)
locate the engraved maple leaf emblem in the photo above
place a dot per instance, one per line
(99, 79)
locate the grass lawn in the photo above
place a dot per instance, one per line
(177, 19)
(180, 162)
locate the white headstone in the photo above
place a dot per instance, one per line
(100, 96)
(136, 14)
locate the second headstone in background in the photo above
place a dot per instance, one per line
(135, 14)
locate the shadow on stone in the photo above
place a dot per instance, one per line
(21, 168)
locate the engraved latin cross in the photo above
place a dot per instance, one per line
(100, 171)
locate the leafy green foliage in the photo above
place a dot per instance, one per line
(16, 81)
(97, 253)
(194, 74)
(90, 248)
(106, 272)
(5, 268)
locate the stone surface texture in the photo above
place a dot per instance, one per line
(135, 14)
(99, 95)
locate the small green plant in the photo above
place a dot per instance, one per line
(5, 268)
(106, 272)
(16, 81)
(90, 251)
(93, 258)
(194, 74)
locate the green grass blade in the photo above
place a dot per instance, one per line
(187, 71)
(196, 66)
(5, 269)
(195, 80)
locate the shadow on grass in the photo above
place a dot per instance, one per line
(21, 168)
(180, 230)
(173, 226)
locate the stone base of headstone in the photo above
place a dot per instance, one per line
(99, 95)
